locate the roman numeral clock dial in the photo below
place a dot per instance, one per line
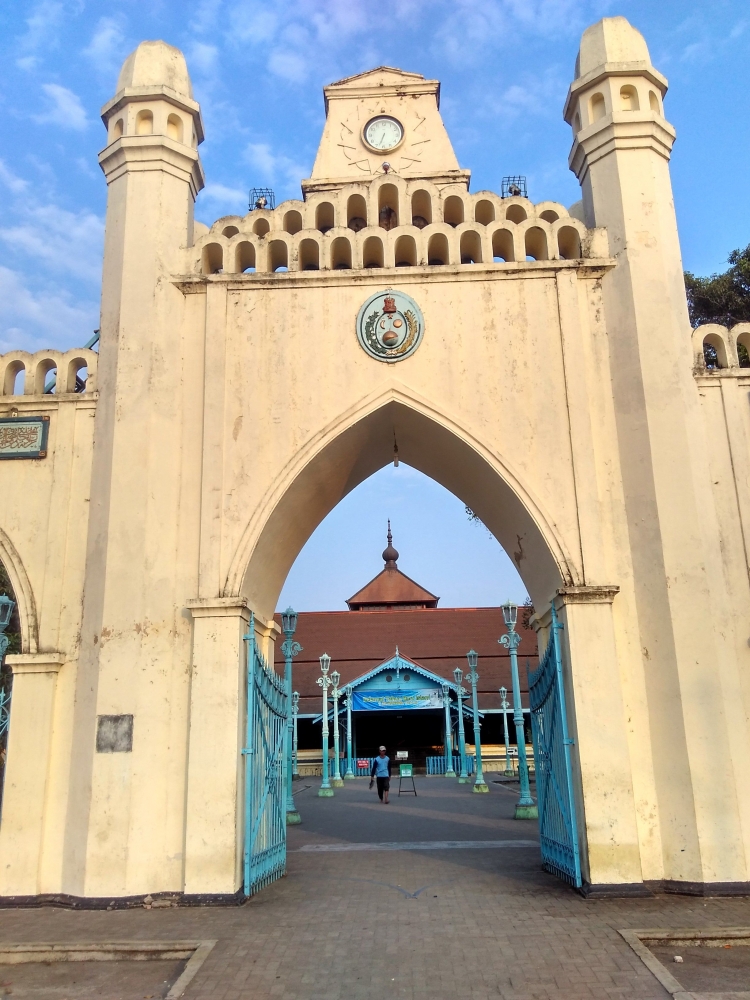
(382, 134)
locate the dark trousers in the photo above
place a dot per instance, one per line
(384, 785)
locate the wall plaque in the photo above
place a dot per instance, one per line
(23, 437)
(390, 326)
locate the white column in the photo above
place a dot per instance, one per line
(27, 770)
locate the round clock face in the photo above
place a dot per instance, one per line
(383, 133)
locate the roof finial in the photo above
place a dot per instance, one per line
(390, 555)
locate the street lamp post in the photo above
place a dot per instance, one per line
(336, 780)
(449, 772)
(458, 676)
(290, 649)
(325, 791)
(505, 705)
(349, 769)
(472, 677)
(295, 713)
(525, 807)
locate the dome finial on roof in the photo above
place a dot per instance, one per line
(390, 555)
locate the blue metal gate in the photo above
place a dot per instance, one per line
(554, 786)
(265, 802)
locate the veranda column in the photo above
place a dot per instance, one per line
(449, 772)
(27, 770)
(349, 769)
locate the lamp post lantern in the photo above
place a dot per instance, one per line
(290, 649)
(449, 772)
(505, 705)
(336, 779)
(525, 807)
(349, 775)
(472, 677)
(458, 676)
(295, 713)
(325, 791)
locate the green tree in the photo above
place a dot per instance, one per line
(722, 298)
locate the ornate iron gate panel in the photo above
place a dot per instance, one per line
(554, 786)
(265, 803)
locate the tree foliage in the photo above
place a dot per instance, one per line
(722, 298)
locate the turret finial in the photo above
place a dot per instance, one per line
(390, 555)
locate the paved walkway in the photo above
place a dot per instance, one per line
(354, 922)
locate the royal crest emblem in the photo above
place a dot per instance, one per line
(390, 326)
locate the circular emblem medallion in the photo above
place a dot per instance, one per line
(390, 326)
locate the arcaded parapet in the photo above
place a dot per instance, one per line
(725, 343)
(24, 374)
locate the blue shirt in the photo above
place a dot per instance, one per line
(381, 766)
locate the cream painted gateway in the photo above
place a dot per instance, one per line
(549, 382)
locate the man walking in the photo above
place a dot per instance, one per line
(381, 772)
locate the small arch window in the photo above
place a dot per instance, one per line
(77, 376)
(324, 217)
(45, 377)
(245, 257)
(549, 216)
(714, 352)
(484, 213)
(292, 222)
(653, 102)
(421, 209)
(15, 376)
(388, 207)
(471, 248)
(174, 127)
(515, 213)
(629, 98)
(372, 253)
(743, 354)
(144, 123)
(437, 249)
(406, 252)
(502, 246)
(278, 256)
(597, 107)
(117, 129)
(229, 231)
(453, 210)
(536, 244)
(309, 255)
(569, 243)
(213, 258)
(356, 213)
(261, 227)
(341, 254)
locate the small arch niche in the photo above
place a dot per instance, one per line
(471, 248)
(45, 377)
(245, 257)
(77, 375)
(341, 254)
(568, 243)
(388, 206)
(484, 213)
(714, 352)
(292, 222)
(175, 127)
(144, 123)
(597, 108)
(515, 213)
(437, 249)
(372, 253)
(536, 244)
(324, 217)
(453, 210)
(653, 102)
(309, 255)
(743, 350)
(356, 213)
(229, 231)
(213, 258)
(15, 376)
(549, 216)
(421, 209)
(406, 252)
(278, 256)
(629, 98)
(502, 246)
(118, 129)
(261, 227)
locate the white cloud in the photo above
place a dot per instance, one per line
(32, 319)
(202, 57)
(273, 166)
(106, 50)
(41, 32)
(14, 183)
(67, 242)
(221, 195)
(289, 65)
(65, 108)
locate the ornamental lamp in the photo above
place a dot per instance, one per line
(458, 676)
(335, 678)
(471, 656)
(6, 610)
(325, 662)
(289, 621)
(503, 693)
(510, 614)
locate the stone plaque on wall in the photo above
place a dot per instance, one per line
(23, 437)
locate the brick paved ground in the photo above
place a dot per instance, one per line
(415, 924)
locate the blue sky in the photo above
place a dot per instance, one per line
(258, 68)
